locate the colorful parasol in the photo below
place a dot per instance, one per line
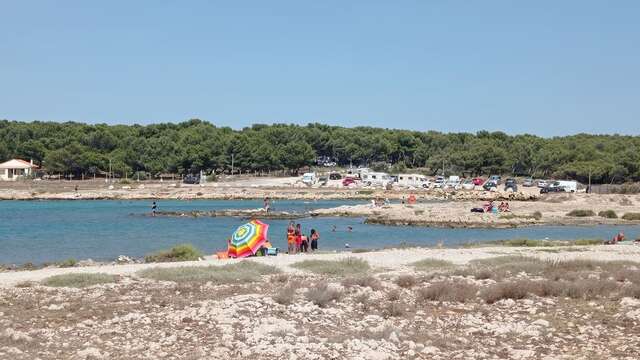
(248, 238)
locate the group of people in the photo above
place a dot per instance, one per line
(491, 207)
(297, 242)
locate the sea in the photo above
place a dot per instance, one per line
(49, 231)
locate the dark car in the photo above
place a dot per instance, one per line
(512, 184)
(489, 184)
(191, 179)
(550, 189)
(322, 180)
(335, 176)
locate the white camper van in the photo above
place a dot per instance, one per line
(415, 180)
(568, 185)
(375, 179)
(453, 182)
(309, 178)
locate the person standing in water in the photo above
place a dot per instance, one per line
(291, 239)
(314, 239)
(154, 208)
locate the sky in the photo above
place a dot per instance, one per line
(541, 67)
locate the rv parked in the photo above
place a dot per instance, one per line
(415, 180)
(453, 182)
(375, 179)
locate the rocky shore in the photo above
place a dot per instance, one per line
(493, 303)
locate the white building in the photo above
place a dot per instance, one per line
(15, 169)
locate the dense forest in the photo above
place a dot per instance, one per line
(79, 149)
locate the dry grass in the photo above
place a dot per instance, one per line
(345, 267)
(454, 291)
(586, 289)
(395, 309)
(505, 290)
(322, 294)
(362, 281)
(241, 272)
(432, 264)
(78, 280)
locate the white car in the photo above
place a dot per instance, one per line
(543, 183)
(468, 184)
(439, 182)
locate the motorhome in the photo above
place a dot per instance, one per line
(375, 178)
(567, 185)
(309, 178)
(415, 180)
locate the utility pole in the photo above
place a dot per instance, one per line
(442, 167)
(589, 187)
(110, 176)
(232, 156)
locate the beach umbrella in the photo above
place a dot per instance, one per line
(248, 238)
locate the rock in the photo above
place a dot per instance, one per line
(123, 259)
(87, 262)
(633, 314)
(629, 302)
(430, 350)
(393, 337)
(541, 322)
(17, 335)
(90, 353)
(55, 307)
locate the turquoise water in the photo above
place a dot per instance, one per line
(45, 231)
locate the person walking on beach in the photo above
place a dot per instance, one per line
(154, 208)
(315, 236)
(266, 204)
(291, 239)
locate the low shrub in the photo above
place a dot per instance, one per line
(362, 281)
(71, 262)
(182, 252)
(395, 309)
(505, 290)
(608, 214)
(581, 213)
(241, 272)
(285, 295)
(344, 267)
(322, 294)
(537, 215)
(631, 216)
(583, 242)
(79, 280)
(406, 281)
(454, 291)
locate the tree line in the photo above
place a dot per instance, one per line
(79, 149)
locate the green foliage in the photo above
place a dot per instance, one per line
(182, 252)
(609, 214)
(188, 147)
(348, 266)
(78, 280)
(71, 262)
(631, 216)
(581, 213)
(237, 273)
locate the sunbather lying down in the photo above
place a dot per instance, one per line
(616, 239)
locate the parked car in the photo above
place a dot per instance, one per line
(329, 164)
(322, 180)
(191, 179)
(550, 189)
(335, 176)
(528, 182)
(512, 184)
(496, 179)
(489, 184)
(478, 181)
(453, 182)
(348, 181)
(468, 184)
(439, 182)
(543, 184)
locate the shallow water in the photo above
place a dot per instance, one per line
(44, 231)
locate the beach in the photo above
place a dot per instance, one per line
(416, 303)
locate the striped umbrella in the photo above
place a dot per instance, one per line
(248, 238)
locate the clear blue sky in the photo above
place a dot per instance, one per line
(542, 67)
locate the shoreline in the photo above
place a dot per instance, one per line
(384, 258)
